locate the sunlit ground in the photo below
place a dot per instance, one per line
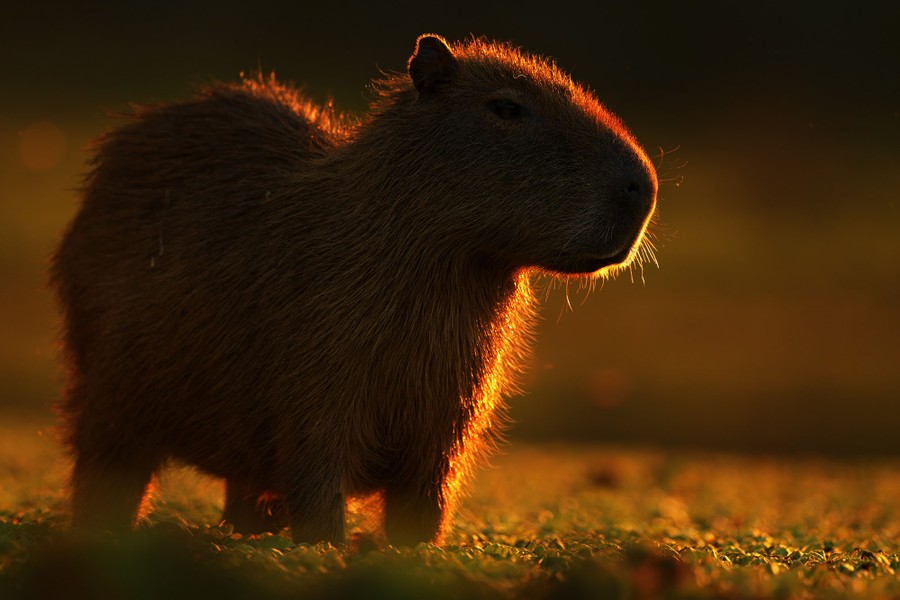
(544, 521)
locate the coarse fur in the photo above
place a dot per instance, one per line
(315, 308)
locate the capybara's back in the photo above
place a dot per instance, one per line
(314, 308)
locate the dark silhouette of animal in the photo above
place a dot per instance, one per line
(314, 307)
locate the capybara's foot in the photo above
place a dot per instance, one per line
(250, 510)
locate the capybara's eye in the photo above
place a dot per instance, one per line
(506, 109)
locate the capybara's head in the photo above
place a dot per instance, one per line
(508, 151)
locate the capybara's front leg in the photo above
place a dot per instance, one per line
(315, 503)
(414, 513)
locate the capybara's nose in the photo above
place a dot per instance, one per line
(640, 187)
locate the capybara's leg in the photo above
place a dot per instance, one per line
(252, 510)
(413, 513)
(315, 504)
(108, 484)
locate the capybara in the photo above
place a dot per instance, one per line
(314, 307)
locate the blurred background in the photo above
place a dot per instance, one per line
(773, 321)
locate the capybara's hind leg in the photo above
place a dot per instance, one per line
(252, 510)
(108, 484)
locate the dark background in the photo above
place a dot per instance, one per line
(773, 321)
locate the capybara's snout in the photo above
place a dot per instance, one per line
(633, 199)
(638, 187)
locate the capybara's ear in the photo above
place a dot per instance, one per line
(432, 65)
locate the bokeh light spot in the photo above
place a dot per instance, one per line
(608, 387)
(42, 145)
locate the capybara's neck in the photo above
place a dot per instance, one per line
(405, 273)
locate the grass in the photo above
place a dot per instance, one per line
(542, 522)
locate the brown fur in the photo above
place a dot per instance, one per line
(315, 308)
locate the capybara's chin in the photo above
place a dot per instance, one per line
(588, 264)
